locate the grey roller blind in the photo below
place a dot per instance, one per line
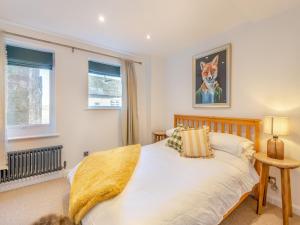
(104, 69)
(28, 57)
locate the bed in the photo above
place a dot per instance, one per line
(167, 189)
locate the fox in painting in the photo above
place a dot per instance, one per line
(210, 90)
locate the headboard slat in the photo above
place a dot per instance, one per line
(223, 127)
(248, 132)
(216, 126)
(230, 128)
(239, 129)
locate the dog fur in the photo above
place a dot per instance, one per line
(53, 219)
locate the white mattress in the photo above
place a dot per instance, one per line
(167, 189)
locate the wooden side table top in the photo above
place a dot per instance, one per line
(279, 163)
(159, 133)
(159, 136)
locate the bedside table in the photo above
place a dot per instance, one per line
(284, 165)
(159, 135)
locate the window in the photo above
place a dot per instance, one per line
(105, 86)
(29, 92)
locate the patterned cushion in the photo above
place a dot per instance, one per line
(195, 143)
(175, 140)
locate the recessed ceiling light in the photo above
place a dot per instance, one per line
(101, 19)
(148, 36)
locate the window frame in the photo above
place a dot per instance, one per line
(17, 132)
(107, 63)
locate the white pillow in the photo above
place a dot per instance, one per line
(169, 132)
(230, 143)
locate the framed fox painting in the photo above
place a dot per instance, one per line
(211, 78)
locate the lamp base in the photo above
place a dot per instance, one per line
(275, 148)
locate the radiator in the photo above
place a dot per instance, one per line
(32, 162)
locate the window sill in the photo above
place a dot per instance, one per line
(105, 107)
(33, 137)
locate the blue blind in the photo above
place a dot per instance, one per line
(104, 69)
(29, 58)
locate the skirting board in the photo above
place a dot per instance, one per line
(277, 201)
(32, 180)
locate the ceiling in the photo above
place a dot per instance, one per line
(172, 24)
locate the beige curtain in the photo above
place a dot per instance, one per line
(3, 160)
(130, 132)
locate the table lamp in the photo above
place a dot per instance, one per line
(276, 126)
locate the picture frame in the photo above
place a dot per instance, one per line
(212, 78)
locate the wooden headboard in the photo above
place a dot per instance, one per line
(249, 128)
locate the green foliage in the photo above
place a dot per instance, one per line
(24, 96)
(107, 86)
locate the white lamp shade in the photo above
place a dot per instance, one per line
(268, 125)
(276, 125)
(280, 126)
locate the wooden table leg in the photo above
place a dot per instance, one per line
(289, 194)
(266, 186)
(261, 188)
(285, 195)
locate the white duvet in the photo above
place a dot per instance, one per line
(167, 189)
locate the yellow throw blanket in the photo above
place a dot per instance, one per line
(101, 176)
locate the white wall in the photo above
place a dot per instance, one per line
(81, 129)
(265, 80)
(158, 66)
